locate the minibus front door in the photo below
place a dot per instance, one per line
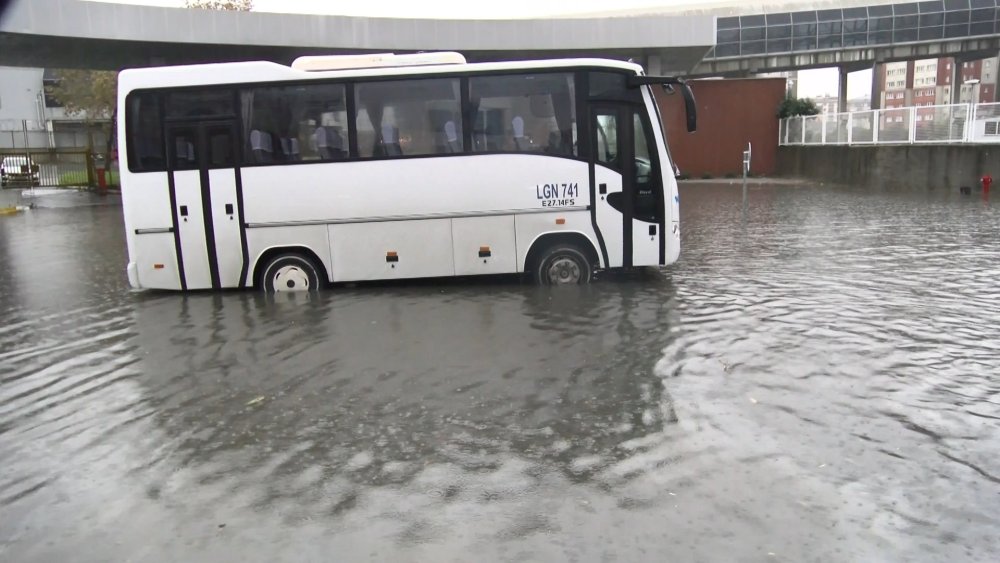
(611, 142)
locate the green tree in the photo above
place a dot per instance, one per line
(796, 106)
(89, 95)
(230, 5)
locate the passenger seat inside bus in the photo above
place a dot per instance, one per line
(290, 146)
(184, 153)
(329, 143)
(390, 140)
(261, 146)
(451, 142)
(521, 143)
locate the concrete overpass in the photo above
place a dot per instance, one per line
(73, 33)
(731, 39)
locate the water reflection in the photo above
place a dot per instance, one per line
(405, 377)
(815, 379)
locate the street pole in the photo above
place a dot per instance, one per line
(746, 170)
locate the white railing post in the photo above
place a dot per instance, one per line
(850, 127)
(970, 123)
(913, 124)
(802, 139)
(875, 121)
(822, 129)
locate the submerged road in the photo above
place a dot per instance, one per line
(816, 381)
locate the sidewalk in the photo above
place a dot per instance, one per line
(11, 201)
(757, 181)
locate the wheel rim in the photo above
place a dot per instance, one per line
(564, 271)
(290, 278)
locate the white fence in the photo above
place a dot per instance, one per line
(946, 124)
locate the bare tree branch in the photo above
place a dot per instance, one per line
(229, 5)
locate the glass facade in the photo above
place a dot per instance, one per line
(787, 32)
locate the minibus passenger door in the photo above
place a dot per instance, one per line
(203, 179)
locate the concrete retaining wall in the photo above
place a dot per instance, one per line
(905, 166)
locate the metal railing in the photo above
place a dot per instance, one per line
(944, 124)
(54, 168)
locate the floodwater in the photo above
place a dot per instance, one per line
(818, 380)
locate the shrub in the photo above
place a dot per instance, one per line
(796, 106)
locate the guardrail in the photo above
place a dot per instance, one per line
(54, 168)
(943, 124)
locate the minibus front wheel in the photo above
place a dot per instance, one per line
(563, 264)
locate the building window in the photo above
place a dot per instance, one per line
(992, 128)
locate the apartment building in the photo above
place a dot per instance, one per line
(830, 104)
(927, 82)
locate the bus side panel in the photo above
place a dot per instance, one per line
(412, 187)
(484, 245)
(392, 249)
(313, 237)
(645, 243)
(531, 226)
(610, 222)
(157, 267)
(146, 205)
(194, 247)
(228, 244)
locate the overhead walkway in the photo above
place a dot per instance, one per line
(855, 37)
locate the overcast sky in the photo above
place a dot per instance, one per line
(812, 83)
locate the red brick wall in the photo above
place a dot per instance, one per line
(987, 93)
(730, 113)
(944, 72)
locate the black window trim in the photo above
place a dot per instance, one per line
(350, 84)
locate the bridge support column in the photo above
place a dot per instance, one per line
(842, 94)
(956, 80)
(876, 100)
(653, 65)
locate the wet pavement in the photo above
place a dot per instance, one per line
(816, 381)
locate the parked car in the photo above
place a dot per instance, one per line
(18, 170)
